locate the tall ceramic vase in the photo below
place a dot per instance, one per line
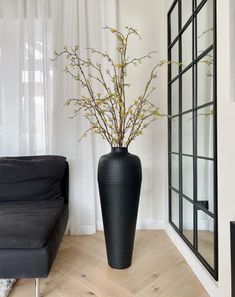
(119, 178)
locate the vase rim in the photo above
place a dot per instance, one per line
(119, 149)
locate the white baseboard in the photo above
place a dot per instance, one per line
(202, 225)
(99, 226)
(150, 225)
(83, 230)
(204, 277)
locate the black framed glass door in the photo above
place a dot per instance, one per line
(192, 127)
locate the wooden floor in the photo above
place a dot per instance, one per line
(81, 270)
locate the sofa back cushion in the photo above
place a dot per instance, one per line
(31, 178)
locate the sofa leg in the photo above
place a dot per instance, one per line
(37, 287)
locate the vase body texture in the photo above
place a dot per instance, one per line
(119, 179)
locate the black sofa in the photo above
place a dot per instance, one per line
(33, 214)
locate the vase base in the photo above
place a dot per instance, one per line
(119, 267)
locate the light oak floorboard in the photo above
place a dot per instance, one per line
(81, 270)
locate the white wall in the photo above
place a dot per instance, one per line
(148, 18)
(226, 143)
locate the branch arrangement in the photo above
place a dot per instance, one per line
(108, 112)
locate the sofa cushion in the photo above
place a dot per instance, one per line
(28, 224)
(31, 178)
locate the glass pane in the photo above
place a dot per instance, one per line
(187, 133)
(174, 23)
(175, 135)
(187, 90)
(186, 10)
(188, 220)
(187, 46)
(175, 98)
(175, 171)
(187, 168)
(175, 60)
(175, 208)
(205, 27)
(205, 132)
(205, 180)
(206, 237)
(205, 79)
(198, 2)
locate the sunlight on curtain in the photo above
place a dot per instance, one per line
(24, 83)
(33, 119)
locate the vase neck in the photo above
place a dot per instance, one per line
(119, 150)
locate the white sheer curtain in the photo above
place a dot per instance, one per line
(33, 90)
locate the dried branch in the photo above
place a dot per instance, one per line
(107, 112)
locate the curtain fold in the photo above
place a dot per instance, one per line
(33, 118)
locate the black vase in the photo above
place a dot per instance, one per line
(119, 178)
